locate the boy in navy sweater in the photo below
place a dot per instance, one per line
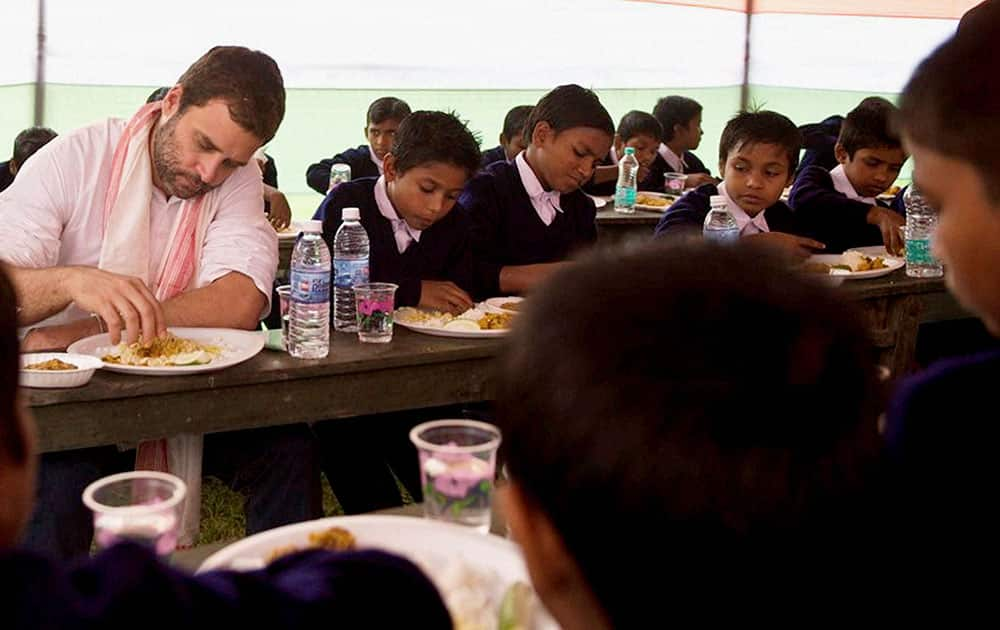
(419, 237)
(511, 138)
(383, 119)
(126, 586)
(680, 118)
(529, 215)
(758, 153)
(947, 458)
(839, 207)
(640, 131)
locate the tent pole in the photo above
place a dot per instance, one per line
(745, 87)
(40, 68)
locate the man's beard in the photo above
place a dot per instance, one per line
(176, 181)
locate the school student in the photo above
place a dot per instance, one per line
(680, 118)
(529, 215)
(641, 132)
(383, 119)
(758, 153)
(511, 138)
(839, 207)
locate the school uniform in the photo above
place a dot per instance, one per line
(126, 587)
(361, 159)
(819, 140)
(688, 213)
(516, 222)
(6, 177)
(496, 154)
(831, 211)
(399, 253)
(607, 188)
(666, 161)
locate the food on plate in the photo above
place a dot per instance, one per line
(163, 351)
(332, 539)
(473, 320)
(52, 365)
(856, 261)
(815, 267)
(651, 200)
(892, 191)
(511, 306)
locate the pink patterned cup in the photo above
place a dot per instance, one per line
(375, 302)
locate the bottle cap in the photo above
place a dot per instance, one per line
(351, 214)
(312, 226)
(717, 200)
(629, 151)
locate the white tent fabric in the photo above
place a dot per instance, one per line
(401, 44)
(18, 33)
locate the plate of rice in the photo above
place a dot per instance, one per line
(478, 321)
(182, 351)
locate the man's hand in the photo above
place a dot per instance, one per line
(888, 222)
(123, 302)
(444, 296)
(788, 244)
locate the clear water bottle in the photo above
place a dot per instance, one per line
(350, 267)
(628, 174)
(309, 308)
(720, 225)
(921, 221)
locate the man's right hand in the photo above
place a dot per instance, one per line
(124, 303)
(444, 296)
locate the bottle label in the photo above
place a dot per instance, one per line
(348, 273)
(624, 197)
(310, 287)
(918, 252)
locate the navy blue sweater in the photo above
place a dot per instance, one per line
(607, 188)
(828, 215)
(6, 177)
(359, 159)
(687, 214)
(127, 587)
(442, 253)
(496, 154)
(506, 229)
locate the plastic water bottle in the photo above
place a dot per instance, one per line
(350, 267)
(720, 224)
(309, 308)
(921, 222)
(628, 173)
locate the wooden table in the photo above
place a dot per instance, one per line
(893, 308)
(615, 229)
(411, 372)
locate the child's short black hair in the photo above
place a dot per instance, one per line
(12, 441)
(675, 110)
(426, 136)
(761, 127)
(943, 108)
(387, 108)
(513, 122)
(29, 141)
(637, 123)
(158, 94)
(569, 106)
(869, 126)
(678, 409)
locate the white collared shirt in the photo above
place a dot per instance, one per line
(545, 203)
(53, 214)
(748, 225)
(843, 185)
(375, 159)
(401, 230)
(674, 161)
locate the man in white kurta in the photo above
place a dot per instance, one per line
(107, 216)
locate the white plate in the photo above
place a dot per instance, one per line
(291, 232)
(599, 202)
(237, 347)
(437, 331)
(58, 378)
(670, 200)
(495, 304)
(892, 263)
(424, 541)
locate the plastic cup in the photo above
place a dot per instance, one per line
(375, 302)
(141, 506)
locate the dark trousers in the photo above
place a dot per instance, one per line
(276, 469)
